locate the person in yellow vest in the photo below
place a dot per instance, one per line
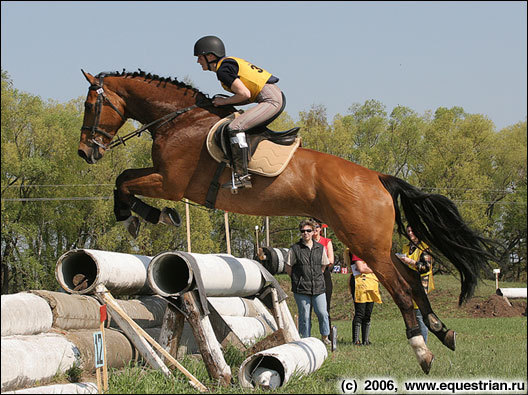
(365, 290)
(417, 256)
(249, 84)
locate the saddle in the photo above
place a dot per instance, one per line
(269, 151)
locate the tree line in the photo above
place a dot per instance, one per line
(52, 201)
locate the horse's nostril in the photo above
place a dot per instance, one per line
(82, 154)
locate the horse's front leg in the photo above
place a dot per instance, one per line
(145, 182)
(446, 336)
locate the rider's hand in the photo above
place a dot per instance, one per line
(219, 101)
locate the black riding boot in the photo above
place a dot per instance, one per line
(365, 330)
(356, 328)
(240, 155)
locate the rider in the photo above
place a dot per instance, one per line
(250, 84)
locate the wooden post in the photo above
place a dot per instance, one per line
(496, 271)
(98, 379)
(256, 238)
(188, 223)
(267, 231)
(171, 330)
(205, 337)
(141, 339)
(290, 330)
(276, 308)
(103, 314)
(228, 239)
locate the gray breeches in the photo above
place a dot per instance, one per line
(269, 103)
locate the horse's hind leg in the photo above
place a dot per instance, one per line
(144, 182)
(402, 295)
(446, 336)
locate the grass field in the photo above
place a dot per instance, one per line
(487, 349)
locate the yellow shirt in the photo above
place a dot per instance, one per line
(253, 77)
(427, 278)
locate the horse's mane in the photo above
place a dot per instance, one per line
(151, 77)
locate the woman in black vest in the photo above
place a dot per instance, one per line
(305, 265)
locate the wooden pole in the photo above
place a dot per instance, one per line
(228, 239)
(98, 378)
(205, 338)
(188, 223)
(141, 339)
(103, 314)
(496, 271)
(267, 231)
(276, 308)
(256, 237)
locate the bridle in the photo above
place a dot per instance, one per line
(99, 102)
(94, 129)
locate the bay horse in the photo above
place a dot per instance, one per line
(359, 204)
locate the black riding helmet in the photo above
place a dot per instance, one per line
(209, 44)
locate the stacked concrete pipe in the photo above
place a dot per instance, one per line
(274, 259)
(122, 274)
(57, 333)
(172, 274)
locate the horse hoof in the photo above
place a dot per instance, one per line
(426, 363)
(133, 226)
(170, 216)
(450, 339)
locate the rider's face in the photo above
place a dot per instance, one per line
(202, 60)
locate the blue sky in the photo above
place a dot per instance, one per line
(422, 55)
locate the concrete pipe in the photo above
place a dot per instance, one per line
(70, 388)
(172, 273)
(248, 329)
(122, 274)
(233, 305)
(25, 314)
(242, 307)
(27, 359)
(119, 350)
(512, 293)
(275, 260)
(71, 311)
(282, 259)
(304, 356)
(146, 311)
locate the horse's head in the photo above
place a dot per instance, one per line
(103, 116)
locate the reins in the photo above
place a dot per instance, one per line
(101, 97)
(165, 119)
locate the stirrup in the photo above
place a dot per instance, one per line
(238, 182)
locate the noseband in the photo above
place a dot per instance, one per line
(101, 97)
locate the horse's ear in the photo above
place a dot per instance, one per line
(90, 78)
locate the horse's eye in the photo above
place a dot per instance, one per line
(88, 106)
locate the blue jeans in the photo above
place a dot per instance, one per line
(421, 323)
(304, 306)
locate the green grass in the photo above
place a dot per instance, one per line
(487, 348)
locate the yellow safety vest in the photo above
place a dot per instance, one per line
(253, 77)
(427, 278)
(367, 288)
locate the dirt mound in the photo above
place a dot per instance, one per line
(497, 306)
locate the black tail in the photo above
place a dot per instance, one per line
(435, 220)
